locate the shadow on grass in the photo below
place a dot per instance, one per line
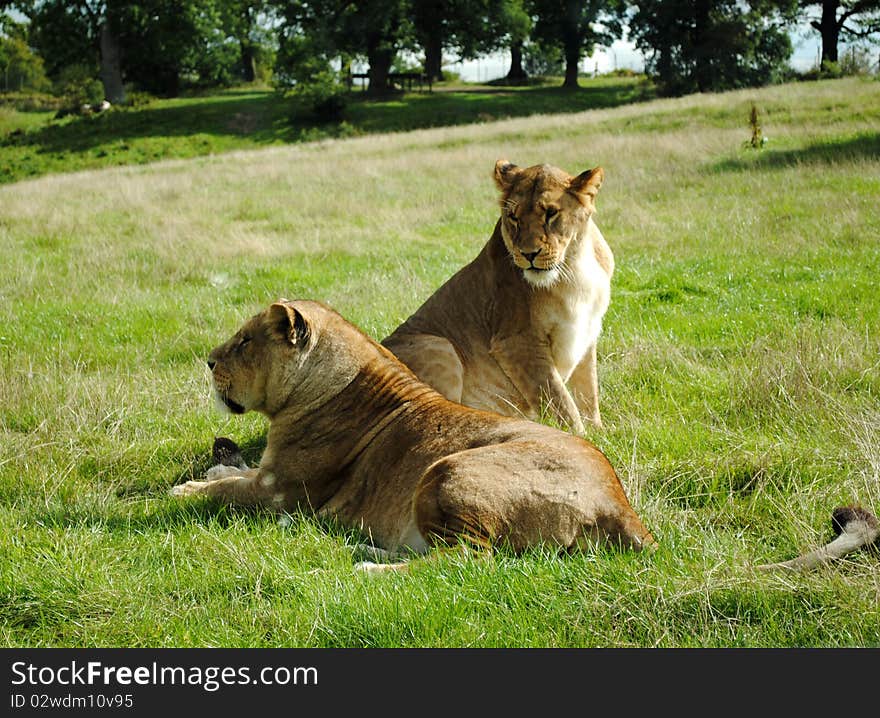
(260, 118)
(251, 450)
(201, 125)
(469, 105)
(161, 513)
(862, 145)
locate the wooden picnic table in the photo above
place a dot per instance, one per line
(402, 80)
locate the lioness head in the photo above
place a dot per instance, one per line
(544, 210)
(292, 353)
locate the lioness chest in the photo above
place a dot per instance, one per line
(570, 313)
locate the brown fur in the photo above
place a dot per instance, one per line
(355, 435)
(515, 330)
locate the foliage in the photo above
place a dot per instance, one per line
(78, 86)
(836, 20)
(340, 30)
(513, 21)
(853, 62)
(63, 33)
(712, 45)
(857, 60)
(757, 140)
(166, 46)
(466, 28)
(542, 60)
(325, 95)
(301, 58)
(576, 28)
(20, 68)
(251, 24)
(30, 101)
(219, 62)
(165, 43)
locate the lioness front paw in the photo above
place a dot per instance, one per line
(369, 567)
(372, 569)
(190, 488)
(593, 421)
(221, 471)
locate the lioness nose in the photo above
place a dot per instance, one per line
(530, 256)
(211, 364)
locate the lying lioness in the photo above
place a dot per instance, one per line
(355, 435)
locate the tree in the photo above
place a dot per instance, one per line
(340, 29)
(164, 40)
(467, 28)
(152, 43)
(433, 21)
(710, 45)
(513, 25)
(578, 26)
(20, 68)
(111, 60)
(384, 28)
(249, 22)
(852, 19)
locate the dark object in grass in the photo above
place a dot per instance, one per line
(854, 528)
(757, 140)
(226, 452)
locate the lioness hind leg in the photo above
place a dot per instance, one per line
(371, 568)
(221, 471)
(374, 568)
(433, 360)
(511, 494)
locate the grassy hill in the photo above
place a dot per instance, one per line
(34, 143)
(739, 379)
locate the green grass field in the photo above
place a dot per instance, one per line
(739, 379)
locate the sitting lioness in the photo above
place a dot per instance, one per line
(509, 330)
(353, 434)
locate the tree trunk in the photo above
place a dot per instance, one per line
(702, 67)
(572, 43)
(434, 57)
(168, 81)
(380, 66)
(829, 30)
(111, 65)
(248, 62)
(572, 60)
(516, 72)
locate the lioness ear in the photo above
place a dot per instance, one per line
(588, 182)
(505, 174)
(288, 324)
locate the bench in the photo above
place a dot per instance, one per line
(400, 80)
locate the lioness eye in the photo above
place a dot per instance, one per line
(243, 342)
(551, 213)
(513, 219)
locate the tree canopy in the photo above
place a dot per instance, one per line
(703, 45)
(577, 26)
(163, 45)
(838, 19)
